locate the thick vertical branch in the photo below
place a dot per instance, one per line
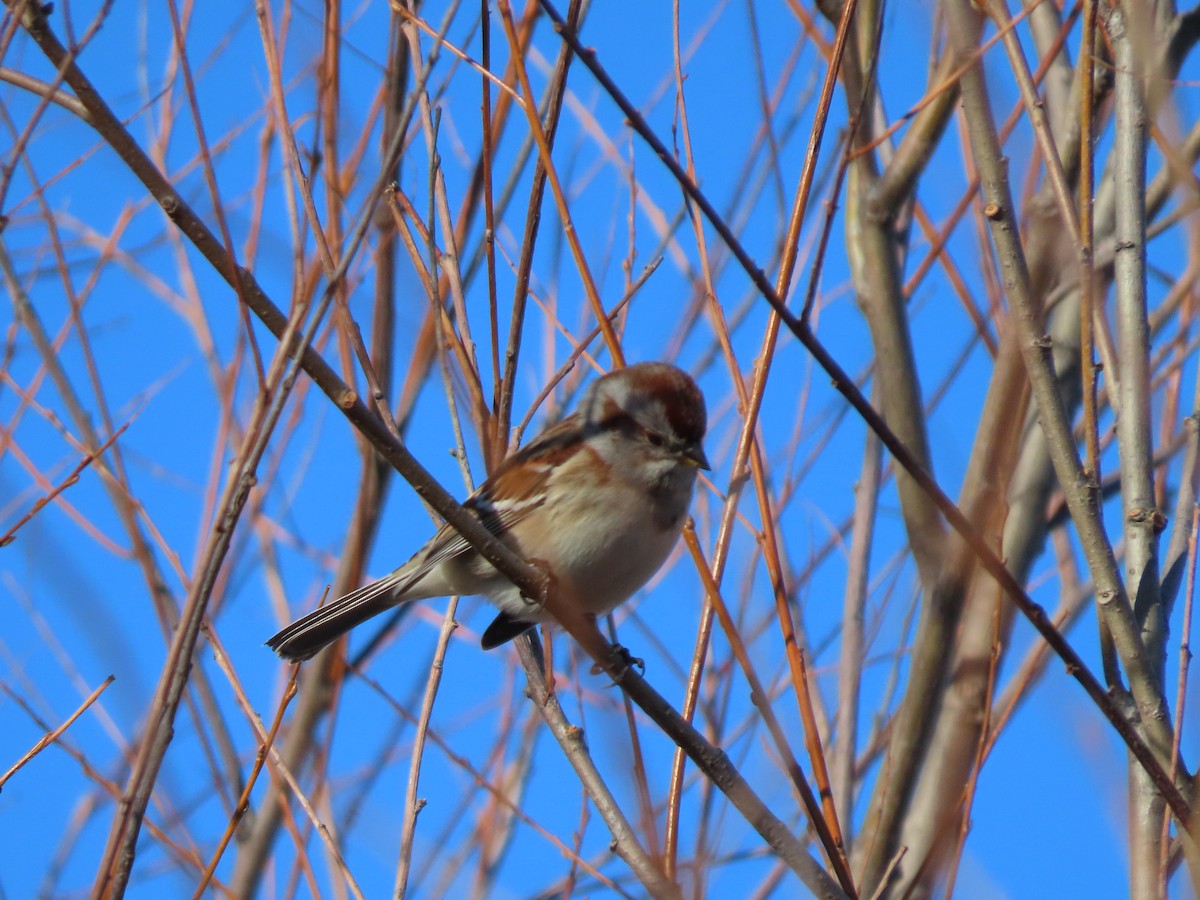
(875, 253)
(1143, 520)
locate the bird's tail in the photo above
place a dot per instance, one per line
(311, 633)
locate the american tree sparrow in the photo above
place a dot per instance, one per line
(599, 499)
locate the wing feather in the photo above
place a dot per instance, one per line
(520, 483)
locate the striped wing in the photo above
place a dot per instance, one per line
(516, 489)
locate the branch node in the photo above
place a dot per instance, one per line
(1151, 515)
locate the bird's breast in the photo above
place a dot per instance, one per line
(605, 544)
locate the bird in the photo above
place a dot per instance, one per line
(599, 500)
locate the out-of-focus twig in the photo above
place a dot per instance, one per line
(49, 738)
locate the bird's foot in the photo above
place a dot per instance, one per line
(620, 661)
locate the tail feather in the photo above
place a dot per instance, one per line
(312, 633)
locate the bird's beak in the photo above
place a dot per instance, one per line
(695, 456)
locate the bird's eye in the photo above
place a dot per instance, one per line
(655, 438)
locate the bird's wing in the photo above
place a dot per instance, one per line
(514, 491)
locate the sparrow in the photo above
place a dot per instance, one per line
(599, 500)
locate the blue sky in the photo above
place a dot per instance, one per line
(1048, 818)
